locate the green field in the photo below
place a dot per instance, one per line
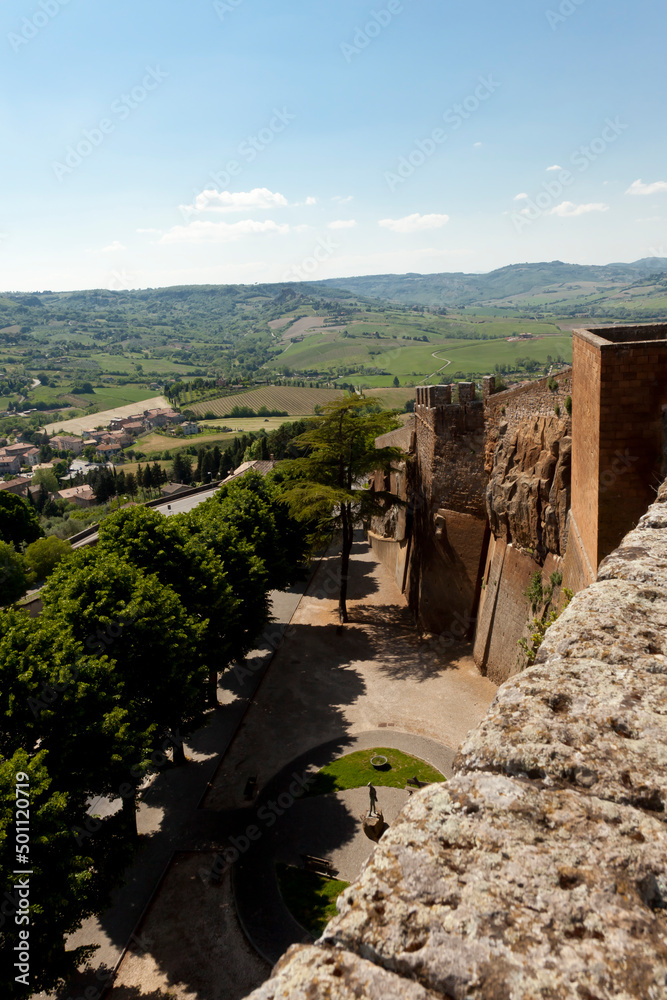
(388, 344)
(294, 400)
(469, 358)
(128, 364)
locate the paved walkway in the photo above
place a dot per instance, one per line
(327, 826)
(330, 684)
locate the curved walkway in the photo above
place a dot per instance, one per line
(267, 922)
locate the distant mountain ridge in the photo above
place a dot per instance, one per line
(460, 289)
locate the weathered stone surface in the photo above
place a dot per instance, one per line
(528, 495)
(316, 973)
(617, 622)
(493, 888)
(582, 723)
(642, 555)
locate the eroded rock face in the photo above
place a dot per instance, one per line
(528, 496)
(496, 888)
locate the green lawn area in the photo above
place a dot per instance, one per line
(118, 395)
(127, 363)
(354, 770)
(310, 898)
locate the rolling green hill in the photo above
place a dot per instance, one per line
(519, 285)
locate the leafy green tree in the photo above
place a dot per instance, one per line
(46, 478)
(131, 484)
(396, 382)
(63, 884)
(43, 556)
(186, 562)
(330, 489)
(157, 650)
(59, 697)
(253, 505)
(18, 521)
(181, 470)
(13, 576)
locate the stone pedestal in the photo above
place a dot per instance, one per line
(374, 826)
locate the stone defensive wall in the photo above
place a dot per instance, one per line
(448, 515)
(539, 869)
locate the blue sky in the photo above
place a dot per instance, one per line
(160, 143)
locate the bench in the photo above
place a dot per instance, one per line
(320, 865)
(415, 783)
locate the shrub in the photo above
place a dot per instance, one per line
(538, 627)
(568, 405)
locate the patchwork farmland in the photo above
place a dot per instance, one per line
(293, 400)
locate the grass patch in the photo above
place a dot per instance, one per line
(310, 898)
(355, 769)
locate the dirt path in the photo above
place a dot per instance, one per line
(435, 355)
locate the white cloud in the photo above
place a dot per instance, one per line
(520, 197)
(343, 224)
(236, 201)
(651, 218)
(477, 145)
(414, 223)
(112, 248)
(310, 200)
(638, 187)
(555, 167)
(221, 232)
(567, 209)
(341, 199)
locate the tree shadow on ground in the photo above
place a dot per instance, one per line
(402, 650)
(326, 584)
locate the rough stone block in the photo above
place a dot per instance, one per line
(494, 888)
(597, 725)
(316, 973)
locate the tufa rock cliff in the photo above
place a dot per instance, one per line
(528, 496)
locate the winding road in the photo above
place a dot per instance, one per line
(435, 355)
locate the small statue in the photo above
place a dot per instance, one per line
(374, 798)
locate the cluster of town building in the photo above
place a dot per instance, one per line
(108, 443)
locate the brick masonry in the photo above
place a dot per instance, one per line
(620, 401)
